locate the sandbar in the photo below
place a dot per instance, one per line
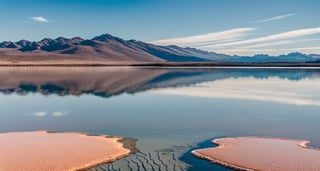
(44, 150)
(262, 153)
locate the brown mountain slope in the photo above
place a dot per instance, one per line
(109, 50)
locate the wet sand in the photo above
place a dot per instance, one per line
(43, 150)
(258, 153)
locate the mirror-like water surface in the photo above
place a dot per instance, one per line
(170, 110)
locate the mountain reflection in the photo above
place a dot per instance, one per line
(107, 82)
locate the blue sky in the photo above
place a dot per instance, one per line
(243, 27)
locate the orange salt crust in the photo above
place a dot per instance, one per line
(43, 150)
(258, 153)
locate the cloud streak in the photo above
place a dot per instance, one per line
(59, 114)
(39, 19)
(40, 114)
(283, 42)
(274, 37)
(237, 41)
(274, 18)
(226, 35)
(54, 114)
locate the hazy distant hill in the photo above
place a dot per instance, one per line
(107, 48)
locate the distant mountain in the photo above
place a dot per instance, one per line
(315, 56)
(291, 57)
(107, 48)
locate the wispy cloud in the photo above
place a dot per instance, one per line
(55, 114)
(274, 18)
(59, 114)
(284, 42)
(39, 114)
(265, 39)
(226, 35)
(245, 41)
(39, 19)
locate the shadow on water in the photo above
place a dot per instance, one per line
(197, 164)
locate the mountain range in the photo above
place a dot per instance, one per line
(110, 49)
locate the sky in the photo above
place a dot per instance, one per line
(241, 27)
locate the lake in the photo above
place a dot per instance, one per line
(169, 110)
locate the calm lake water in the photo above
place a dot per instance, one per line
(169, 110)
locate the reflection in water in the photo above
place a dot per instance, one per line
(111, 81)
(170, 110)
(76, 81)
(272, 89)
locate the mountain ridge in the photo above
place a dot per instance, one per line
(108, 48)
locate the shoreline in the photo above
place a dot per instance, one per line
(220, 163)
(127, 143)
(96, 164)
(197, 163)
(90, 149)
(224, 144)
(156, 64)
